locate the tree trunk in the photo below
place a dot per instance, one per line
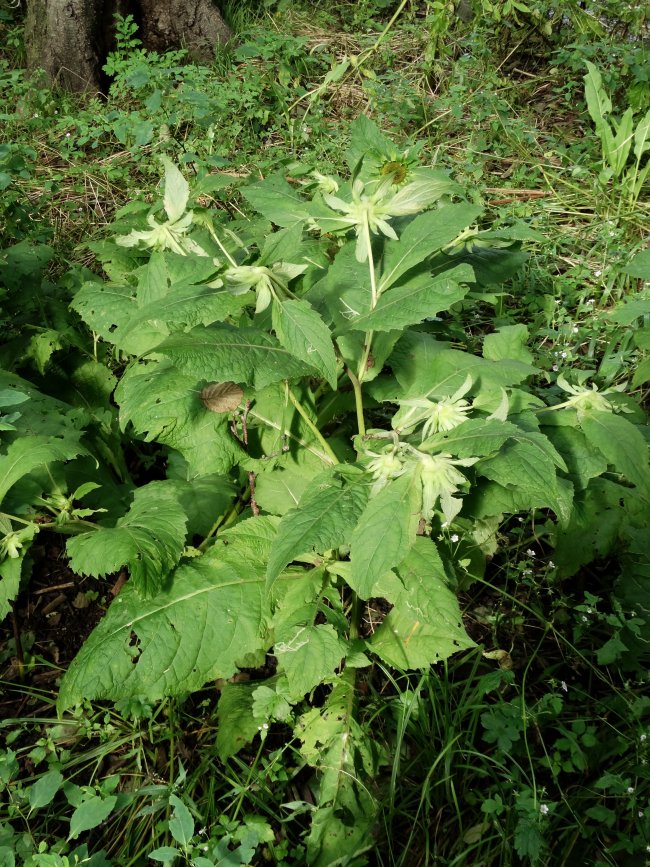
(69, 39)
(196, 26)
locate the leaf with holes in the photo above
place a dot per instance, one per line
(149, 539)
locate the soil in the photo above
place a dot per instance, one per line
(52, 618)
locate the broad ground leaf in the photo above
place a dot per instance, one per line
(30, 452)
(584, 461)
(276, 200)
(221, 352)
(203, 500)
(594, 527)
(426, 367)
(308, 656)
(149, 539)
(165, 270)
(335, 744)
(91, 813)
(423, 236)
(195, 631)
(237, 725)
(301, 330)
(424, 625)
(509, 342)
(105, 308)
(44, 789)
(622, 443)
(181, 824)
(164, 405)
(385, 532)
(183, 308)
(324, 518)
(418, 299)
(529, 469)
(474, 437)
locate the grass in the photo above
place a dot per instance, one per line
(536, 753)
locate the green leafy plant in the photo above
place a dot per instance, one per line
(619, 138)
(322, 446)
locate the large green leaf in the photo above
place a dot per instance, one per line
(473, 438)
(423, 236)
(420, 298)
(334, 743)
(301, 330)
(149, 539)
(164, 405)
(385, 532)
(224, 353)
(276, 200)
(183, 308)
(426, 367)
(308, 656)
(528, 468)
(26, 454)
(195, 631)
(509, 342)
(324, 518)
(105, 308)
(622, 443)
(424, 625)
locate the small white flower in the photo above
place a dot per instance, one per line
(643, 737)
(585, 619)
(543, 809)
(551, 564)
(597, 273)
(265, 726)
(590, 610)
(68, 134)
(455, 537)
(555, 368)
(575, 329)
(563, 354)
(531, 553)
(565, 688)
(640, 814)
(630, 790)
(590, 301)
(558, 300)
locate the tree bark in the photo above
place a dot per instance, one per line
(197, 26)
(69, 39)
(62, 37)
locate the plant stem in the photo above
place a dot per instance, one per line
(221, 246)
(312, 427)
(358, 401)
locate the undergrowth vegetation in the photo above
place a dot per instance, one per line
(324, 471)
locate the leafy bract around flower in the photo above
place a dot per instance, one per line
(441, 415)
(373, 204)
(161, 236)
(383, 468)
(172, 234)
(440, 481)
(268, 282)
(583, 400)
